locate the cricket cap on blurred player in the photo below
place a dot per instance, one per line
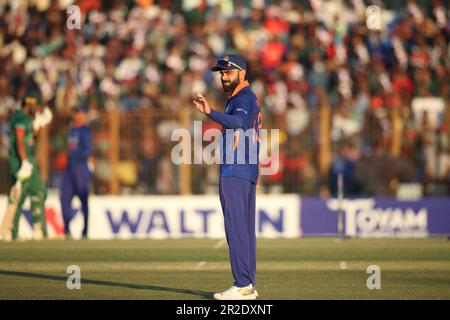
(229, 62)
(32, 98)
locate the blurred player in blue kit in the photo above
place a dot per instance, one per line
(238, 177)
(76, 178)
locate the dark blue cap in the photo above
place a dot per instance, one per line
(32, 97)
(229, 62)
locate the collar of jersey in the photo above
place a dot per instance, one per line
(79, 123)
(241, 86)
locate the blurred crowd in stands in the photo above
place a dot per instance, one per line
(146, 57)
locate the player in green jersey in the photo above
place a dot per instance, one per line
(24, 124)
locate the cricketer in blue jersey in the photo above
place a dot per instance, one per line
(75, 181)
(238, 173)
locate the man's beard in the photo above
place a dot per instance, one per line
(230, 86)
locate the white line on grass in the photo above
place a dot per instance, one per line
(200, 265)
(220, 244)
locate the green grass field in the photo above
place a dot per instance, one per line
(306, 268)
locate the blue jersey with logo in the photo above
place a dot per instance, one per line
(80, 144)
(241, 122)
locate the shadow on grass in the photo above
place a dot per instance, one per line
(202, 294)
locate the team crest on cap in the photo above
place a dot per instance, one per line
(226, 58)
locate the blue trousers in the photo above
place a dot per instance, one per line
(75, 182)
(238, 200)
